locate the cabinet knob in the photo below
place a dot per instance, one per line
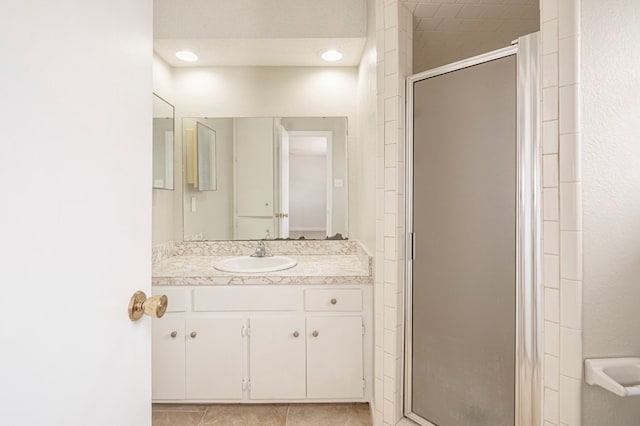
(174, 334)
(315, 333)
(296, 334)
(334, 301)
(193, 334)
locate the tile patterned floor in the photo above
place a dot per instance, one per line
(262, 415)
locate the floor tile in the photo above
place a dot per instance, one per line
(329, 414)
(176, 418)
(246, 415)
(180, 407)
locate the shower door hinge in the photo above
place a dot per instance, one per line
(246, 331)
(364, 329)
(412, 245)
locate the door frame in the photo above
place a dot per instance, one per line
(528, 381)
(328, 135)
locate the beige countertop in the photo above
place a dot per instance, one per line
(311, 269)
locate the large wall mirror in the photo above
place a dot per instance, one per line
(163, 144)
(273, 177)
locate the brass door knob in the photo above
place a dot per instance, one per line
(154, 306)
(296, 334)
(174, 334)
(315, 333)
(334, 301)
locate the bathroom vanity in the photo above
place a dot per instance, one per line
(300, 334)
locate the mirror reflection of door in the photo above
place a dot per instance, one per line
(309, 184)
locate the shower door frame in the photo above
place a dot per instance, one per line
(528, 339)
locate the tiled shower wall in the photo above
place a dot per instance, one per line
(393, 33)
(562, 210)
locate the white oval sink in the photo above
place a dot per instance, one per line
(256, 264)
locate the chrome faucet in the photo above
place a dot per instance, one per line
(261, 250)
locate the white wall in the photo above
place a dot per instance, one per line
(75, 229)
(611, 168)
(163, 200)
(362, 155)
(263, 92)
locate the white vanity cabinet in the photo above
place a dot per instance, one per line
(263, 343)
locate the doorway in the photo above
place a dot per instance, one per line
(307, 184)
(472, 353)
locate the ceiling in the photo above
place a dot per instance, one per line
(260, 32)
(447, 31)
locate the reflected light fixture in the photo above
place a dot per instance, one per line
(332, 55)
(187, 56)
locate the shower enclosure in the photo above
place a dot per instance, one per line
(472, 354)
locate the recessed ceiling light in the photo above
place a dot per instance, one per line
(332, 55)
(187, 56)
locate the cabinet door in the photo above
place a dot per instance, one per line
(277, 358)
(168, 358)
(334, 357)
(214, 358)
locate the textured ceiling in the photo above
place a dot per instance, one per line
(447, 31)
(260, 32)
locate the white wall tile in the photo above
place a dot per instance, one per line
(549, 10)
(571, 255)
(551, 406)
(390, 39)
(389, 341)
(389, 225)
(390, 248)
(569, 109)
(551, 271)
(551, 372)
(550, 170)
(389, 385)
(391, 83)
(391, 109)
(390, 179)
(379, 393)
(569, 60)
(568, 18)
(550, 137)
(550, 103)
(571, 304)
(552, 338)
(551, 238)
(550, 36)
(570, 158)
(390, 138)
(391, 64)
(550, 70)
(390, 154)
(570, 401)
(551, 206)
(390, 318)
(571, 352)
(571, 206)
(391, 16)
(390, 272)
(552, 305)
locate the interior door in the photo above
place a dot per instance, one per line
(283, 209)
(75, 222)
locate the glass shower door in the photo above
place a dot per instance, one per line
(463, 341)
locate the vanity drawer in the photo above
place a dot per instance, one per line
(333, 300)
(229, 299)
(177, 298)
